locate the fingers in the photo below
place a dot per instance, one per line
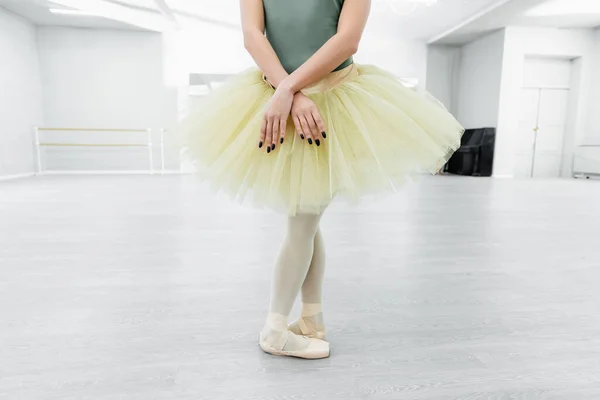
(320, 124)
(320, 127)
(282, 129)
(307, 121)
(306, 132)
(269, 135)
(272, 131)
(314, 130)
(279, 127)
(276, 124)
(303, 126)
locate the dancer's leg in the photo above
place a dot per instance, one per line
(290, 272)
(311, 321)
(294, 261)
(313, 284)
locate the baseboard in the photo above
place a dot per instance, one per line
(17, 176)
(503, 176)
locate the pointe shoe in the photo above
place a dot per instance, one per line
(300, 327)
(316, 349)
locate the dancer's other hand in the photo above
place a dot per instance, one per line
(307, 119)
(272, 130)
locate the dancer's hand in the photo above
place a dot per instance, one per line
(307, 119)
(275, 119)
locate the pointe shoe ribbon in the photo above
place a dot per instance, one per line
(300, 327)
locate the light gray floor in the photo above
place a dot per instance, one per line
(138, 287)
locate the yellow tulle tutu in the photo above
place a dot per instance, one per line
(379, 132)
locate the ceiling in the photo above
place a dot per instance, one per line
(423, 23)
(448, 21)
(427, 22)
(37, 11)
(515, 13)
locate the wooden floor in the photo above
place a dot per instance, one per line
(138, 287)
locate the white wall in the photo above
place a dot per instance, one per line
(380, 46)
(443, 74)
(592, 135)
(20, 94)
(103, 79)
(403, 57)
(479, 81)
(385, 44)
(521, 42)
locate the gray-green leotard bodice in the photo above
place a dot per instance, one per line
(298, 28)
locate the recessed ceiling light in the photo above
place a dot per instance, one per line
(66, 11)
(565, 7)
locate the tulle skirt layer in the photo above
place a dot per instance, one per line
(379, 133)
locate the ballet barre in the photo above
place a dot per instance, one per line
(148, 144)
(93, 130)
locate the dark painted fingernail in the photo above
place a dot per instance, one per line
(268, 149)
(309, 141)
(317, 142)
(273, 146)
(302, 136)
(324, 135)
(281, 141)
(260, 144)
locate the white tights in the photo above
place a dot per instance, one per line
(300, 265)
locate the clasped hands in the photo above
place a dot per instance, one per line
(304, 113)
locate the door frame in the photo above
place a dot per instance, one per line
(573, 90)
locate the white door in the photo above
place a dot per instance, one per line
(544, 103)
(541, 132)
(550, 133)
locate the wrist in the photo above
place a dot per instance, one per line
(287, 86)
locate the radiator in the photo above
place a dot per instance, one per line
(586, 161)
